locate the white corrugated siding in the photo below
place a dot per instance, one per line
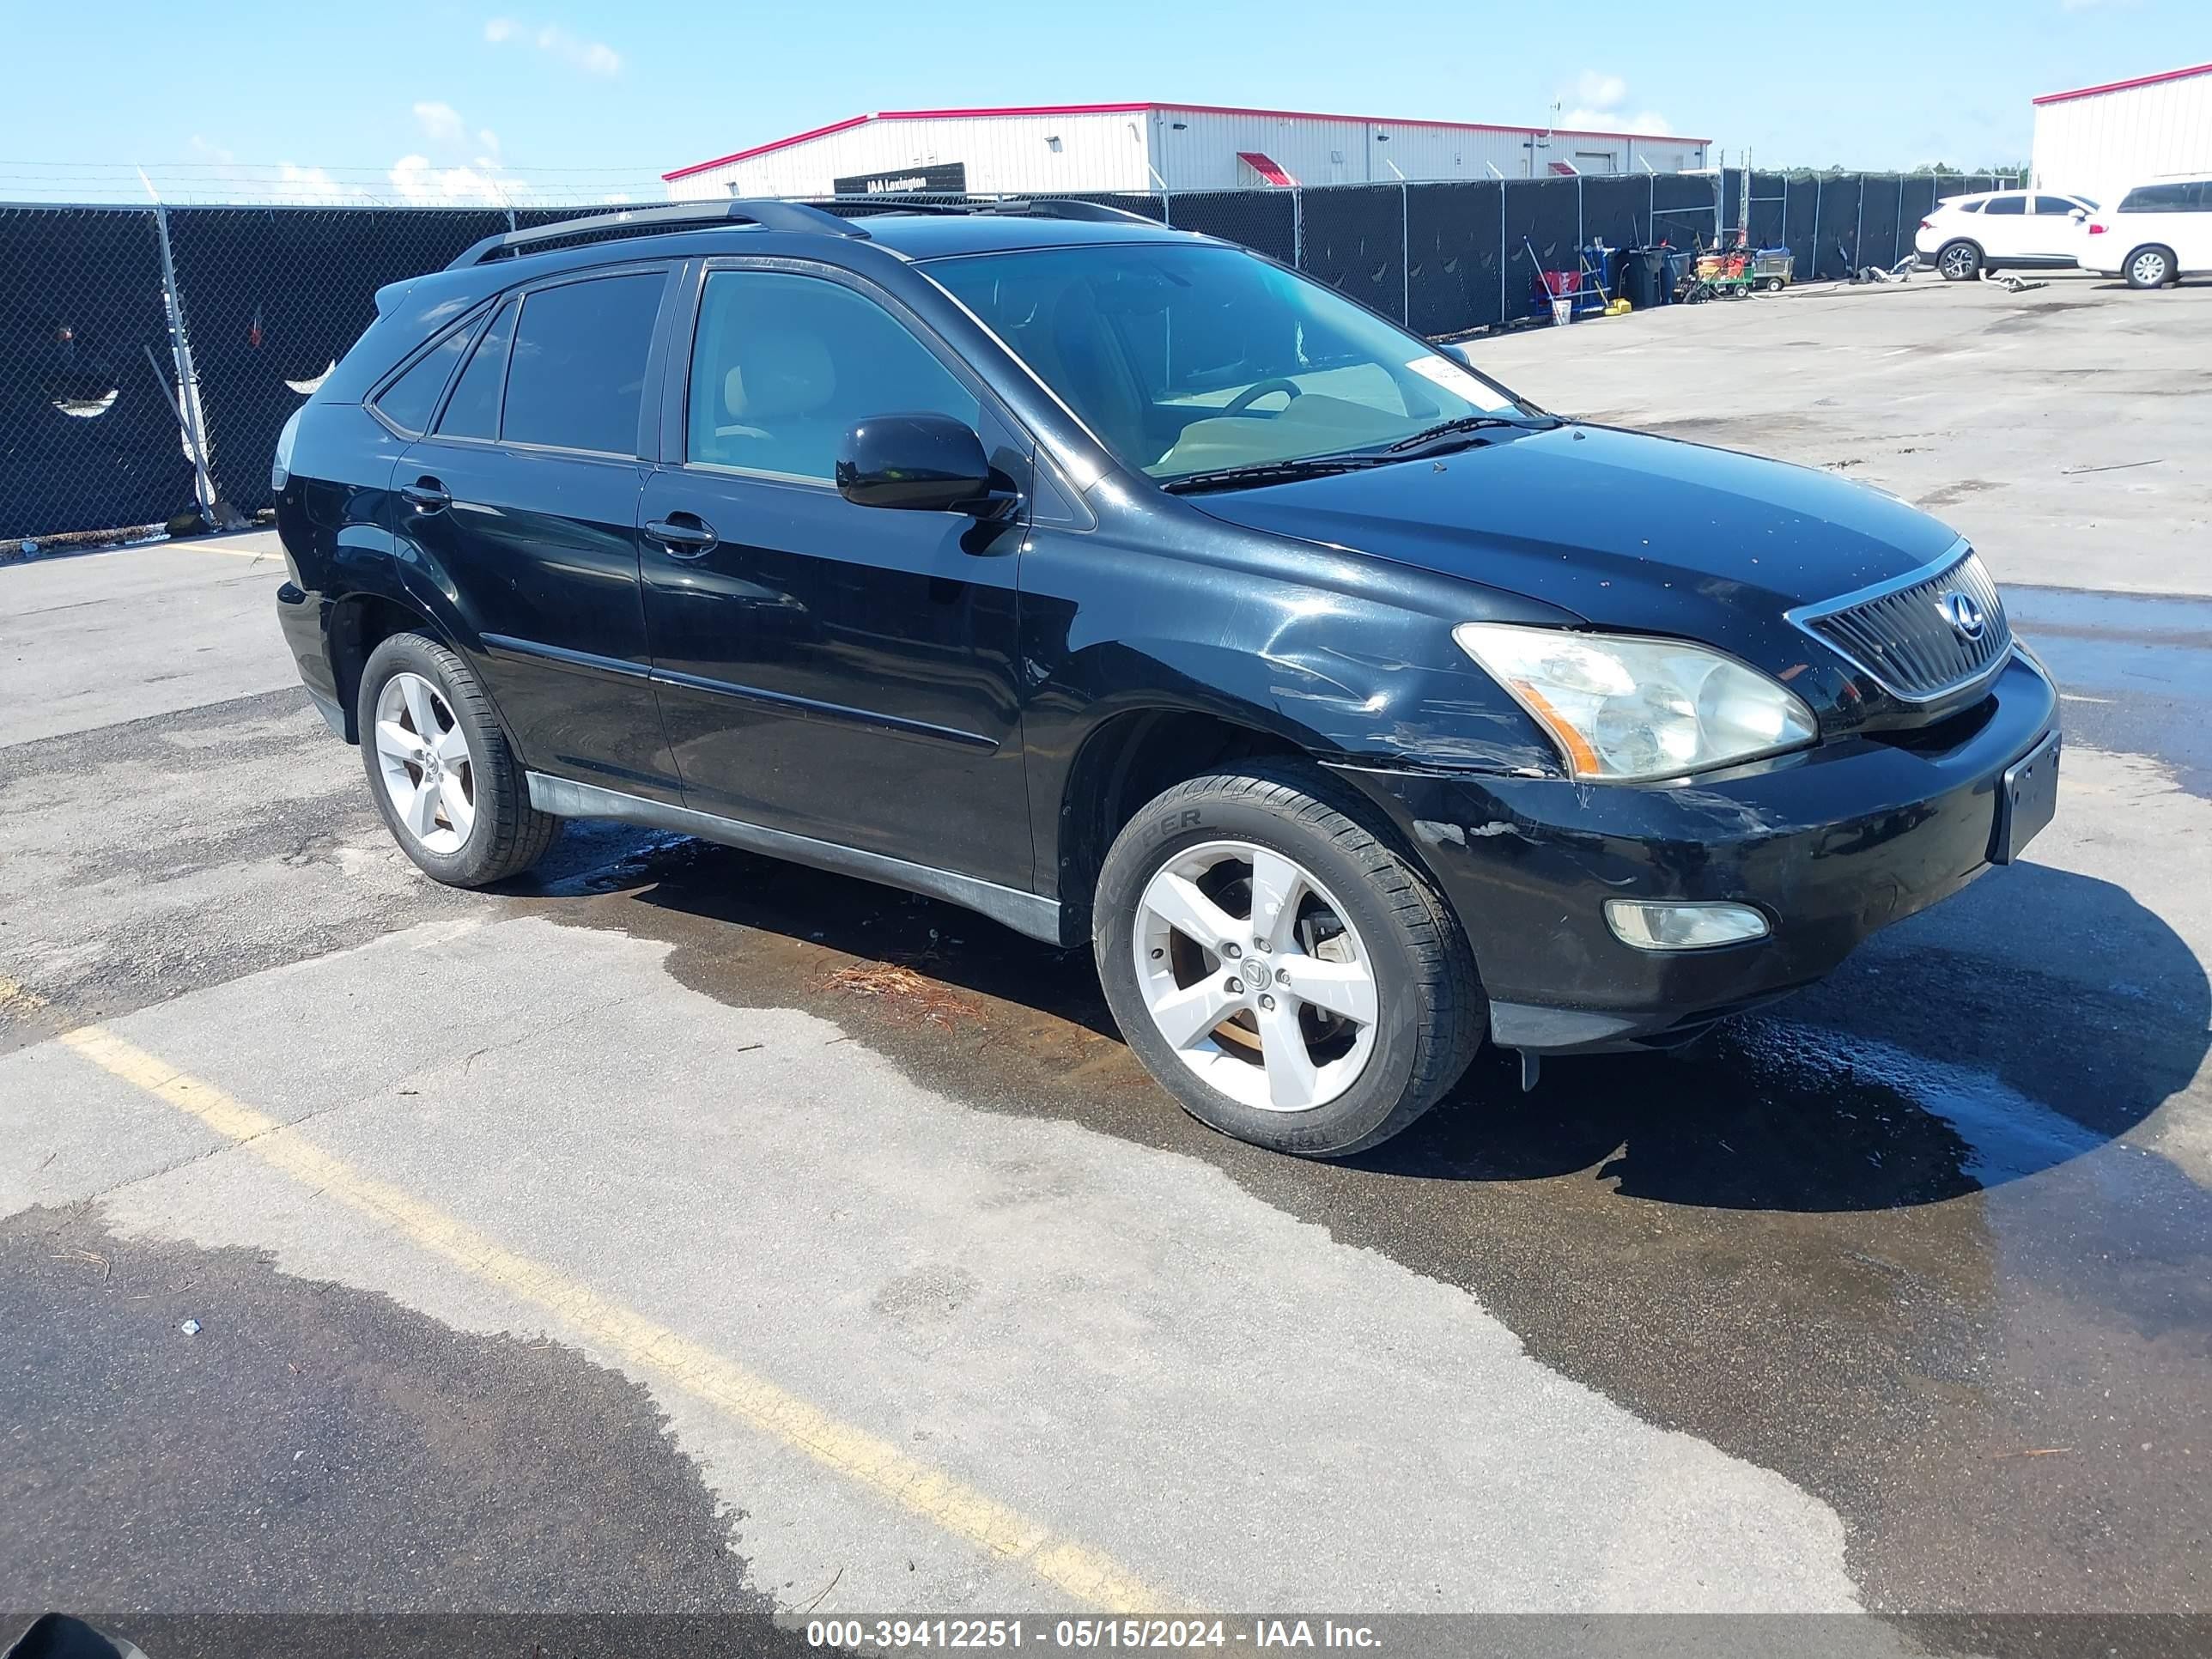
(1109, 151)
(1332, 150)
(1001, 153)
(2101, 144)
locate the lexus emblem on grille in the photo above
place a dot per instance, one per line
(1964, 615)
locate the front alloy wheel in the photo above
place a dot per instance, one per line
(1283, 969)
(1254, 977)
(423, 758)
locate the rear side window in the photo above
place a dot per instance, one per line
(578, 377)
(473, 410)
(2056, 205)
(410, 401)
(2158, 198)
(2014, 205)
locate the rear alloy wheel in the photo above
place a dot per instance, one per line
(1959, 262)
(2150, 267)
(423, 758)
(449, 787)
(1284, 973)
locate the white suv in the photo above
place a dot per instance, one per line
(1964, 236)
(2159, 233)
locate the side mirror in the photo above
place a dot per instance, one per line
(922, 463)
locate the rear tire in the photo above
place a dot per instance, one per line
(448, 784)
(1359, 931)
(1959, 262)
(2150, 267)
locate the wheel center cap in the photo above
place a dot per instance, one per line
(1257, 974)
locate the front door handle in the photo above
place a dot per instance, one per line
(426, 495)
(682, 535)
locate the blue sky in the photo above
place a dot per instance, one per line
(566, 101)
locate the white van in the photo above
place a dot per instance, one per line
(2159, 233)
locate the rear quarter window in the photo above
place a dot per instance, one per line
(410, 401)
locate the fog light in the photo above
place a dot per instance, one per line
(1681, 927)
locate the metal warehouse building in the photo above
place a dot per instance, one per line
(2100, 140)
(1154, 147)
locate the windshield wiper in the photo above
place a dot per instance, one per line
(1267, 472)
(1442, 429)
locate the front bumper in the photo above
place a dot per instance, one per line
(1829, 844)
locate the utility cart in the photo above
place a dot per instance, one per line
(1773, 268)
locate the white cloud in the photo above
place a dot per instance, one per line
(592, 57)
(441, 123)
(1648, 121)
(1599, 103)
(1600, 91)
(418, 182)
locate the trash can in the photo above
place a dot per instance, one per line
(1643, 276)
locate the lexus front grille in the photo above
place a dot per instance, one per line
(1929, 633)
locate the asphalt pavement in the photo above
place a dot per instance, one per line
(634, 1239)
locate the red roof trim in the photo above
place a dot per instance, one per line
(2122, 86)
(762, 149)
(1212, 109)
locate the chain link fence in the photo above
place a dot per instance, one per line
(149, 357)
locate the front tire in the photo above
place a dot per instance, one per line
(2150, 267)
(1959, 262)
(1279, 968)
(448, 784)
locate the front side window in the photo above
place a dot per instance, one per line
(1194, 358)
(578, 376)
(2014, 205)
(783, 365)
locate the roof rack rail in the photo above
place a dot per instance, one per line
(641, 221)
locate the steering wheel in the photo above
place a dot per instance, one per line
(1251, 394)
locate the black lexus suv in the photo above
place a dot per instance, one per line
(1133, 589)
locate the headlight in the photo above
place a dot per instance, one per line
(1622, 709)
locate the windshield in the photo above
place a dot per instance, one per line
(1197, 359)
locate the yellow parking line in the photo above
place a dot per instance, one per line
(1080, 1571)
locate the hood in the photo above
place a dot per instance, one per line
(1628, 532)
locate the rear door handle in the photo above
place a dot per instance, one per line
(682, 535)
(426, 494)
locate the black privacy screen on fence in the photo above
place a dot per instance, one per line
(266, 320)
(87, 438)
(1354, 238)
(270, 296)
(1456, 233)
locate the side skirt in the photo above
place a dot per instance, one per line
(1025, 912)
